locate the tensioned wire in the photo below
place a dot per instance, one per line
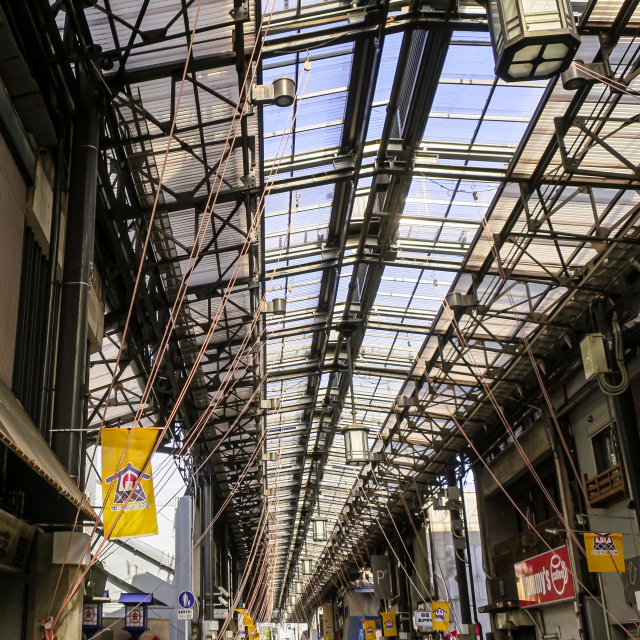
(221, 510)
(289, 126)
(50, 631)
(490, 394)
(549, 404)
(250, 461)
(229, 378)
(124, 335)
(202, 422)
(498, 410)
(521, 451)
(203, 226)
(214, 519)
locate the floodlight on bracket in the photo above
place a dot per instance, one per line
(277, 306)
(581, 73)
(407, 401)
(281, 92)
(458, 300)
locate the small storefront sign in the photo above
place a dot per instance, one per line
(369, 627)
(422, 619)
(440, 615)
(16, 537)
(605, 552)
(389, 627)
(545, 578)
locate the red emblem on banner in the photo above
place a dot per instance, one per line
(545, 578)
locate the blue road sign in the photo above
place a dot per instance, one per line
(186, 600)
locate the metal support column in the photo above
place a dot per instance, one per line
(469, 553)
(461, 567)
(625, 415)
(76, 283)
(207, 551)
(53, 297)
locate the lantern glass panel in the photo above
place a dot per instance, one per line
(541, 15)
(545, 68)
(307, 567)
(299, 587)
(556, 51)
(520, 70)
(528, 53)
(511, 18)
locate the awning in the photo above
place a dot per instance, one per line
(19, 434)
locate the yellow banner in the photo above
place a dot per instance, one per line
(604, 552)
(389, 623)
(124, 455)
(369, 627)
(440, 616)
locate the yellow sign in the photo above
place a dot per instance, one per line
(389, 623)
(604, 552)
(440, 616)
(127, 483)
(369, 627)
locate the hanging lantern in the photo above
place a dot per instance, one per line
(319, 525)
(356, 444)
(292, 600)
(299, 587)
(532, 39)
(307, 566)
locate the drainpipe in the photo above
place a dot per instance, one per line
(76, 283)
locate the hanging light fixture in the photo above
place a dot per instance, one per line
(307, 566)
(356, 444)
(292, 600)
(532, 39)
(318, 523)
(299, 588)
(319, 528)
(356, 435)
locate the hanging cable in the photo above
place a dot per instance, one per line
(623, 385)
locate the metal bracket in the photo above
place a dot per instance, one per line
(249, 180)
(240, 13)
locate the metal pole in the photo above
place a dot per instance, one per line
(76, 283)
(466, 535)
(625, 415)
(46, 390)
(461, 566)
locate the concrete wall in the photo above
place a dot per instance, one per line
(13, 199)
(13, 596)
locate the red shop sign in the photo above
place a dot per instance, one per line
(545, 578)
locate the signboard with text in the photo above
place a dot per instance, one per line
(422, 619)
(544, 579)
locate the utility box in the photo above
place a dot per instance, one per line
(594, 358)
